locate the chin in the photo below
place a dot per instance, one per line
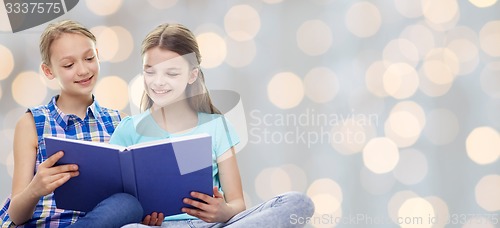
(160, 102)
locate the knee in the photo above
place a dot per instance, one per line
(302, 204)
(130, 206)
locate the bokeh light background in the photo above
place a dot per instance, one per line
(386, 111)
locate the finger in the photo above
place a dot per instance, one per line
(146, 220)
(161, 217)
(217, 194)
(154, 219)
(194, 212)
(65, 168)
(71, 169)
(51, 161)
(159, 220)
(74, 174)
(58, 180)
(196, 204)
(208, 199)
(206, 219)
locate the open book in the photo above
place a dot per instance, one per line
(160, 174)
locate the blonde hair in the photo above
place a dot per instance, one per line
(54, 31)
(179, 39)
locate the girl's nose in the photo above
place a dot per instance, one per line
(82, 69)
(159, 80)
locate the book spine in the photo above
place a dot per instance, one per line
(128, 173)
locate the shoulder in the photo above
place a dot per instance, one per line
(109, 112)
(39, 110)
(109, 117)
(44, 109)
(127, 120)
(26, 129)
(126, 132)
(26, 121)
(205, 118)
(138, 117)
(130, 121)
(210, 115)
(104, 111)
(216, 123)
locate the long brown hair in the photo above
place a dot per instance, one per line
(179, 39)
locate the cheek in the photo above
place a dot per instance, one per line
(63, 74)
(147, 81)
(64, 77)
(95, 67)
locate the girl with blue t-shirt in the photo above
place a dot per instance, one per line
(176, 103)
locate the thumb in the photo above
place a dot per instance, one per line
(217, 194)
(51, 161)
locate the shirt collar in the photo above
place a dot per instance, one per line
(94, 110)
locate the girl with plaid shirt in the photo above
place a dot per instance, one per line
(69, 55)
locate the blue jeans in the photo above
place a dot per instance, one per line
(277, 212)
(115, 211)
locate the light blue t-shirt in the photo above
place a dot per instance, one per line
(143, 128)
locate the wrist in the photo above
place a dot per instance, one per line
(233, 210)
(31, 194)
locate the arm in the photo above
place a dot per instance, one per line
(27, 187)
(220, 208)
(229, 176)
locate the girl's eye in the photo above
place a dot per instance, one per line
(149, 72)
(68, 65)
(90, 58)
(172, 74)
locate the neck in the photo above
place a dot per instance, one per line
(175, 118)
(76, 105)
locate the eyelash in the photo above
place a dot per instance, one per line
(149, 72)
(87, 59)
(152, 73)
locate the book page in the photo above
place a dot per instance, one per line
(90, 143)
(168, 140)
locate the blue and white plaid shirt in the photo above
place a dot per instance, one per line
(98, 125)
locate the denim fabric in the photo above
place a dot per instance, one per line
(116, 211)
(276, 212)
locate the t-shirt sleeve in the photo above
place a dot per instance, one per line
(226, 136)
(121, 136)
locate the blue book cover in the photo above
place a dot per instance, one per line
(160, 174)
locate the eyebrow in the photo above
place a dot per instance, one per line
(71, 57)
(169, 68)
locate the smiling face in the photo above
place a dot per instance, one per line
(74, 63)
(166, 76)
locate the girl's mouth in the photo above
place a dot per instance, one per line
(161, 91)
(83, 81)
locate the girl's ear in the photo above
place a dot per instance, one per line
(47, 71)
(193, 75)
